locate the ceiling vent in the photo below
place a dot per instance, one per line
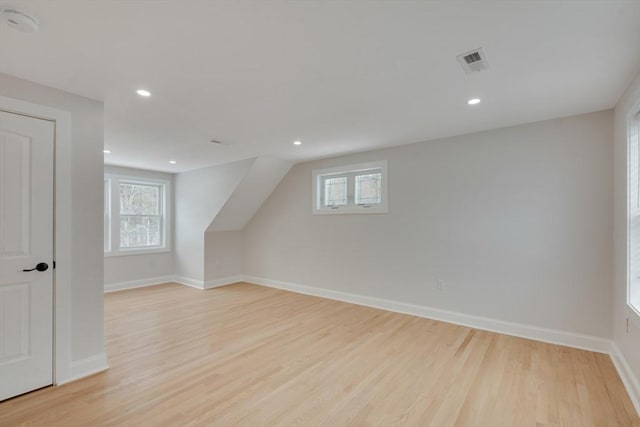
(218, 142)
(473, 61)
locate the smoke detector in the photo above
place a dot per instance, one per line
(473, 61)
(20, 20)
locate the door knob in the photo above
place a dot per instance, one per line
(42, 266)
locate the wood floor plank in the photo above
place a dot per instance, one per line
(253, 356)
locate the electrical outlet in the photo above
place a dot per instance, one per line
(440, 284)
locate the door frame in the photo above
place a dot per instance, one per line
(61, 229)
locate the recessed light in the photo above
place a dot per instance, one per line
(106, 151)
(143, 92)
(173, 162)
(297, 142)
(473, 101)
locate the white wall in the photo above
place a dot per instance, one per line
(627, 342)
(122, 269)
(84, 239)
(223, 256)
(199, 196)
(516, 221)
(223, 241)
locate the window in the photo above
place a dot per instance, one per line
(107, 215)
(633, 228)
(136, 216)
(351, 189)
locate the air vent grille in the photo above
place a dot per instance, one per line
(473, 61)
(218, 142)
(471, 58)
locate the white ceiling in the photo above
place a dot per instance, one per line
(340, 76)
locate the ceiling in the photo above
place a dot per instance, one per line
(339, 76)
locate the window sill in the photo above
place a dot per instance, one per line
(351, 211)
(125, 252)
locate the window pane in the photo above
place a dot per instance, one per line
(139, 199)
(139, 231)
(369, 189)
(335, 191)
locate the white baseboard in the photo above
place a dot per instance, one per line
(85, 367)
(194, 283)
(216, 283)
(112, 287)
(584, 342)
(209, 284)
(568, 339)
(627, 376)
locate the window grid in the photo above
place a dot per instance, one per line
(335, 191)
(140, 218)
(369, 189)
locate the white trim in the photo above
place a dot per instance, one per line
(85, 367)
(152, 281)
(553, 336)
(627, 376)
(63, 229)
(632, 116)
(584, 342)
(134, 252)
(194, 283)
(216, 283)
(209, 284)
(132, 284)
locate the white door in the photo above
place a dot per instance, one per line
(26, 240)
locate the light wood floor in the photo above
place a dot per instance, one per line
(253, 356)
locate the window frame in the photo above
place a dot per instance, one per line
(114, 181)
(633, 282)
(107, 224)
(350, 171)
